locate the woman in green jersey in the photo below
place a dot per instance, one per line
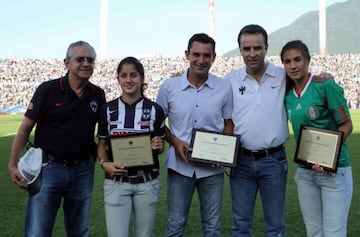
(318, 102)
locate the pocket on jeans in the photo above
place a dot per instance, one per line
(280, 159)
(154, 188)
(155, 183)
(280, 156)
(111, 196)
(283, 158)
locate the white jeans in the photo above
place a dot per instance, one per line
(121, 199)
(325, 201)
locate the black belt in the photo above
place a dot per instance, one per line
(262, 153)
(66, 162)
(138, 179)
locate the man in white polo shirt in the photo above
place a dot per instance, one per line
(260, 119)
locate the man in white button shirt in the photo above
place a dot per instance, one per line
(196, 99)
(260, 119)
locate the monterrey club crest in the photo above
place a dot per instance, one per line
(93, 106)
(312, 113)
(146, 114)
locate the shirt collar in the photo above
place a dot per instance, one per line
(185, 83)
(270, 71)
(65, 86)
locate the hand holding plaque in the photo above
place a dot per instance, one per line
(132, 150)
(319, 146)
(214, 147)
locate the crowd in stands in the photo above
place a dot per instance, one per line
(20, 77)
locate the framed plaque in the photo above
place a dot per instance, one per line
(317, 145)
(132, 150)
(214, 147)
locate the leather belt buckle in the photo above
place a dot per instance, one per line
(259, 154)
(69, 163)
(262, 153)
(64, 162)
(135, 179)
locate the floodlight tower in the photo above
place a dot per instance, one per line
(322, 27)
(103, 28)
(211, 18)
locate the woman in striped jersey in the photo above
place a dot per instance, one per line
(135, 189)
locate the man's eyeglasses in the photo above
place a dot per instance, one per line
(82, 59)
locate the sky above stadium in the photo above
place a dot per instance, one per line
(45, 28)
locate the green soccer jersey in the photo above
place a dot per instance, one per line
(322, 105)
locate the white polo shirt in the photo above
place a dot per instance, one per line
(259, 113)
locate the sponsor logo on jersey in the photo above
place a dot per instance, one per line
(312, 113)
(121, 132)
(143, 123)
(58, 104)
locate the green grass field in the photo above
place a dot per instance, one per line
(13, 200)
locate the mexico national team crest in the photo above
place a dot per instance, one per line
(93, 106)
(312, 113)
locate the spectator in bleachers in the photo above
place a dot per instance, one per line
(20, 77)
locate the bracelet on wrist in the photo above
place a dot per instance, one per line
(101, 163)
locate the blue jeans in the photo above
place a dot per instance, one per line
(123, 199)
(325, 201)
(74, 186)
(267, 175)
(180, 191)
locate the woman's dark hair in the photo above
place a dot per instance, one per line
(139, 68)
(295, 44)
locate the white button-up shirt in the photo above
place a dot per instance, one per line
(188, 107)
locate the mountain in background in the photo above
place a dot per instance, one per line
(342, 31)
